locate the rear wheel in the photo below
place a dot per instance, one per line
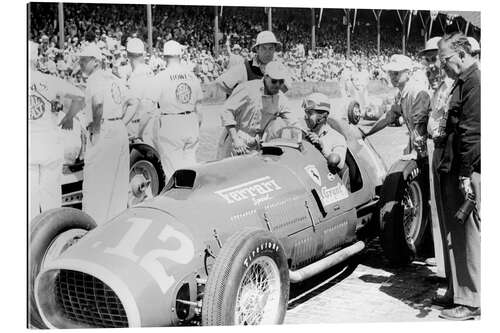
(52, 233)
(143, 161)
(354, 113)
(404, 213)
(249, 282)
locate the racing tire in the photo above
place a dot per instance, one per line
(404, 212)
(145, 160)
(351, 116)
(229, 297)
(44, 232)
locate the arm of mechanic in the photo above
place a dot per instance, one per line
(67, 90)
(388, 118)
(234, 105)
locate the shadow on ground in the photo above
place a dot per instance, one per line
(414, 284)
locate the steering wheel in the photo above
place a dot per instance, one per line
(303, 131)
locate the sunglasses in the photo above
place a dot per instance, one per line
(280, 81)
(446, 58)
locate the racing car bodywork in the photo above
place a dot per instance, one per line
(222, 241)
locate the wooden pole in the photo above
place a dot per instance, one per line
(348, 19)
(150, 27)
(377, 18)
(61, 25)
(313, 31)
(467, 28)
(216, 30)
(270, 19)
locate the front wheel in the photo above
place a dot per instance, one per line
(249, 282)
(52, 233)
(404, 213)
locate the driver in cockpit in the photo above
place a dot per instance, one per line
(331, 143)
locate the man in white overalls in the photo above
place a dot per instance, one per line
(139, 82)
(46, 149)
(254, 108)
(106, 170)
(178, 92)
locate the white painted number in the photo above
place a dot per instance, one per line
(150, 262)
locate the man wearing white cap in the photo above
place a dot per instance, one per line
(412, 103)
(251, 111)
(45, 142)
(265, 46)
(139, 82)
(178, 92)
(106, 170)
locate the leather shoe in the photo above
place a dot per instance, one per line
(461, 312)
(443, 301)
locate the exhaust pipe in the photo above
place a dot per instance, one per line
(325, 263)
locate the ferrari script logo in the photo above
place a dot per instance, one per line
(313, 172)
(333, 194)
(257, 190)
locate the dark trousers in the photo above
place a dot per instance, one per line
(461, 242)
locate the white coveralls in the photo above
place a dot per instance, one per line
(252, 112)
(178, 91)
(46, 148)
(139, 83)
(106, 170)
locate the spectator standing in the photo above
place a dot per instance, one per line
(459, 168)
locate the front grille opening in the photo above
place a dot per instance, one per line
(88, 301)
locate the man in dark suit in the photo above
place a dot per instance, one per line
(460, 166)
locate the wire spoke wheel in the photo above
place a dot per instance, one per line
(258, 297)
(147, 169)
(412, 212)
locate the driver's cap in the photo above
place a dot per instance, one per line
(317, 101)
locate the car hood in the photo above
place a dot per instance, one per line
(142, 255)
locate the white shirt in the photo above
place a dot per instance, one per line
(176, 89)
(43, 123)
(105, 88)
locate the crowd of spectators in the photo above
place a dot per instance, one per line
(110, 26)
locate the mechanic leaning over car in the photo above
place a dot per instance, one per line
(265, 46)
(176, 133)
(440, 85)
(107, 159)
(46, 95)
(459, 168)
(412, 103)
(333, 144)
(254, 108)
(138, 83)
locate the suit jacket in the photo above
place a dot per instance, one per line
(462, 152)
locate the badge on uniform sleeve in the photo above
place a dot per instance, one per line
(183, 93)
(36, 107)
(313, 172)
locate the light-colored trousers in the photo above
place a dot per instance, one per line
(106, 172)
(178, 140)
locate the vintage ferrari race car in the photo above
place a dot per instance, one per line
(224, 240)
